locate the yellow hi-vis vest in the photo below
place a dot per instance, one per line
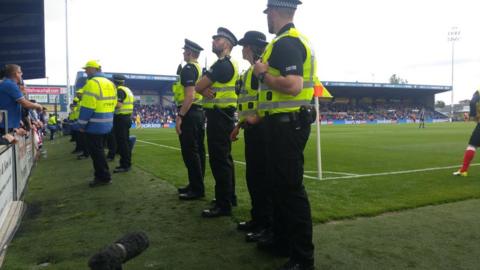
(127, 107)
(179, 90)
(71, 115)
(52, 120)
(76, 112)
(225, 95)
(271, 101)
(248, 97)
(100, 95)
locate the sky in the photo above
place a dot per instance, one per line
(364, 41)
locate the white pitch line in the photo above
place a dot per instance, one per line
(330, 172)
(310, 177)
(338, 177)
(161, 145)
(178, 149)
(397, 172)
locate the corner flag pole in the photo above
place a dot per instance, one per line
(319, 92)
(319, 147)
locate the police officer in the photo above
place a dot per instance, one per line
(122, 122)
(287, 72)
(111, 144)
(96, 118)
(70, 121)
(81, 137)
(220, 100)
(259, 186)
(190, 122)
(52, 125)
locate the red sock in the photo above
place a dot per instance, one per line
(469, 154)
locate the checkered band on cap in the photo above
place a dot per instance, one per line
(284, 3)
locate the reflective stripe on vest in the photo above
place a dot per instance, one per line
(127, 104)
(225, 95)
(272, 101)
(101, 120)
(248, 97)
(100, 95)
(223, 89)
(179, 90)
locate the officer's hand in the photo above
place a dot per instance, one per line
(234, 133)
(208, 93)
(253, 119)
(260, 67)
(178, 125)
(82, 130)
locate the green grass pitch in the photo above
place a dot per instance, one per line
(397, 176)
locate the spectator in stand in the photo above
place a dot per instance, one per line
(11, 99)
(138, 121)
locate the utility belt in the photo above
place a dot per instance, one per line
(304, 117)
(116, 117)
(193, 107)
(228, 112)
(218, 109)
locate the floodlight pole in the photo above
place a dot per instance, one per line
(66, 52)
(453, 36)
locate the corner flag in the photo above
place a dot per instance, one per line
(319, 92)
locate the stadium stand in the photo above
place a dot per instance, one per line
(154, 114)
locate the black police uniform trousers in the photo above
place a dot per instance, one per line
(73, 134)
(111, 143)
(193, 148)
(95, 148)
(258, 184)
(292, 225)
(82, 143)
(220, 123)
(121, 130)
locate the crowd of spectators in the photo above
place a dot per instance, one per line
(23, 115)
(372, 112)
(154, 114)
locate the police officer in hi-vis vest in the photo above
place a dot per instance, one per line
(71, 120)
(96, 118)
(190, 122)
(220, 100)
(287, 71)
(259, 186)
(122, 121)
(81, 137)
